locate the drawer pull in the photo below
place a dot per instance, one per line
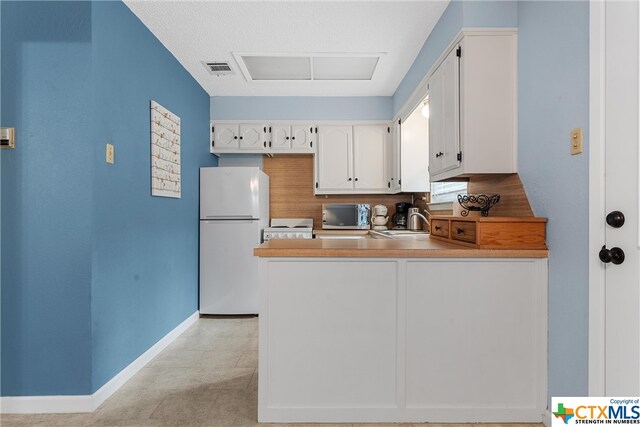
(460, 230)
(437, 228)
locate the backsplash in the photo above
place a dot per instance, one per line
(291, 195)
(513, 198)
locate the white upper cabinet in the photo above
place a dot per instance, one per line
(334, 166)
(394, 162)
(352, 159)
(263, 137)
(225, 137)
(473, 109)
(444, 99)
(281, 138)
(253, 137)
(302, 137)
(370, 157)
(414, 149)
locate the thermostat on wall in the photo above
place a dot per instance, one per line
(7, 139)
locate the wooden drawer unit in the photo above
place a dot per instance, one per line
(463, 230)
(440, 227)
(491, 233)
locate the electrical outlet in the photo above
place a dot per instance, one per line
(576, 141)
(110, 153)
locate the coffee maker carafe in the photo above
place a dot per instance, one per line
(400, 217)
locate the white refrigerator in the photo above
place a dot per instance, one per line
(234, 209)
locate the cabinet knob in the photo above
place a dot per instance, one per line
(349, 179)
(437, 227)
(440, 154)
(293, 137)
(235, 137)
(241, 137)
(265, 144)
(459, 230)
(287, 138)
(356, 179)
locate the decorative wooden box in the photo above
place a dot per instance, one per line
(491, 232)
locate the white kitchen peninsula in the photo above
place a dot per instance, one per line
(401, 331)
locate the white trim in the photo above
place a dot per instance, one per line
(89, 403)
(596, 197)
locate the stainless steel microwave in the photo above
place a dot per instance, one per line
(346, 216)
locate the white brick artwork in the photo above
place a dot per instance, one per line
(165, 152)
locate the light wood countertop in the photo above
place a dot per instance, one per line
(384, 248)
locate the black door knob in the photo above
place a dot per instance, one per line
(615, 219)
(614, 255)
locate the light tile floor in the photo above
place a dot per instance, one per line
(206, 377)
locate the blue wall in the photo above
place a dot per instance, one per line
(47, 194)
(459, 14)
(301, 108)
(553, 98)
(145, 249)
(98, 270)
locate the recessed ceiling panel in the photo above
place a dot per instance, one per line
(344, 68)
(195, 31)
(278, 67)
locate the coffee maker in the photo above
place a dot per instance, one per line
(400, 217)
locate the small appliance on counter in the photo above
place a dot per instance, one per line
(348, 216)
(400, 217)
(289, 228)
(416, 219)
(379, 217)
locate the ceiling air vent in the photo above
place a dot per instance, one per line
(218, 68)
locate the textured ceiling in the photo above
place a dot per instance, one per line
(213, 30)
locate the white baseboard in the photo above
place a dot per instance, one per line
(546, 418)
(89, 403)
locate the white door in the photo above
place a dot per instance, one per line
(334, 158)
(369, 157)
(231, 192)
(225, 136)
(280, 138)
(615, 296)
(228, 269)
(253, 137)
(444, 119)
(451, 87)
(302, 137)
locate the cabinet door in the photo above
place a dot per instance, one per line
(396, 139)
(370, 157)
(334, 158)
(444, 118)
(414, 153)
(225, 136)
(302, 137)
(253, 137)
(281, 138)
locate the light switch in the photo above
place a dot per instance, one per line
(576, 141)
(110, 153)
